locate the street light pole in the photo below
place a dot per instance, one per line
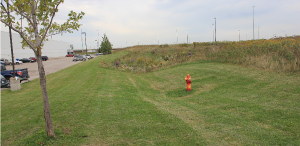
(258, 32)
(85, 41)
(239, 35)
(177, 36)
(215, 29)
(97, 44)
(253, 22)
(187, 36)
(81, 42)
(98, 40)
(213, 33)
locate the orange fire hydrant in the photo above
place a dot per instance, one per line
(188, 82)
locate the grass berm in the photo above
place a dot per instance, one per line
(98, 103)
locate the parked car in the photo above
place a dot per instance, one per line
(79, 58)
(97, 54)
(4, 83)
(15, 61)
(2, 63)
(69, 55)
(88, 57)
(44, 58)
(21, 73)
(32, 58)
(6, 62)
(24, 60)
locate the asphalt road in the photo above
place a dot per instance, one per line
(52, 65)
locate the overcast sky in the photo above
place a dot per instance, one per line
(129, 22)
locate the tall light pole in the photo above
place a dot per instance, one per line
(253, 22)
(98, 43)
(158, 40)
(239, 35)
(187, 36)
(81, 41)
(85, 41)
(215, 29)
(258, 32)
(213, 33)
(138, 41)
(177, 36)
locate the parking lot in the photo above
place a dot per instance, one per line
(52, 65)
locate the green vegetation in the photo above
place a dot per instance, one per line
(105, 46)
(280, 55)
(91, 105)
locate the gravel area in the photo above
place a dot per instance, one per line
(52, 65)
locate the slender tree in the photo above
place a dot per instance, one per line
(105, 46)
(39, 16)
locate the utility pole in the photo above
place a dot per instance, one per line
(215, 29)
(11, 44)
(253, 22)
(81, 41)
(239, 35)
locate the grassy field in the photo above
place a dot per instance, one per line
(90, 105)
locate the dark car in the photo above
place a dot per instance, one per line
(21, 73)
(32, 58)
(4, 82)
(24, 60)
(69, 55)
(44, 58)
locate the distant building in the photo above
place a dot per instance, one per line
(71, 50)
(51, 48)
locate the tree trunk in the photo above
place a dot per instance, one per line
(47, 114)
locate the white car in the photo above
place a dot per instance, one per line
(16, 62)
(87, 56)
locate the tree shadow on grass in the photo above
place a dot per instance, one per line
(178, 93)
(41, 138)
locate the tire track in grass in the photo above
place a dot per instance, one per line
(192, 118)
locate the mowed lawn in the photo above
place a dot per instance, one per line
(228, 105)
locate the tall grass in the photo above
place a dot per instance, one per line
(280, 55)
(276, 54)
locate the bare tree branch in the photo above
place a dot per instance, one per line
(3, 7)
